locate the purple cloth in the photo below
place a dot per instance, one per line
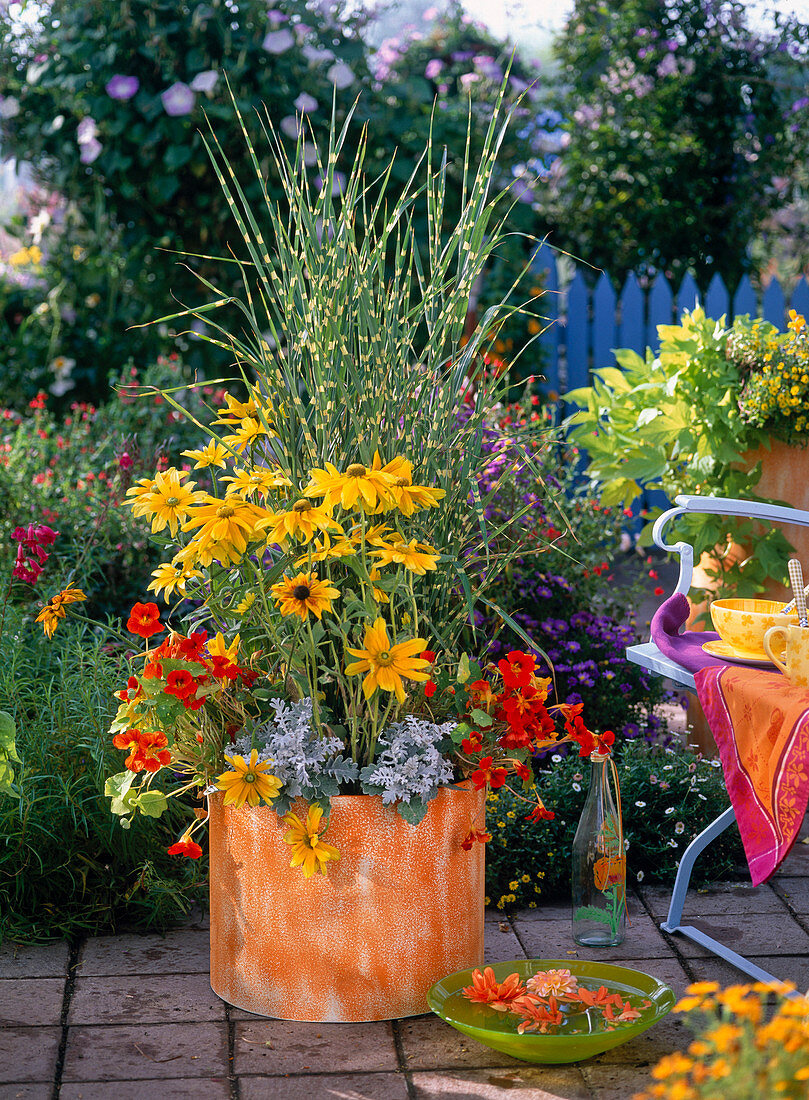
(686, 649)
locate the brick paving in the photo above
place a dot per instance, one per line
(132, 1017)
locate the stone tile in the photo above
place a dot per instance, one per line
(31, 1001)
(797, 862)
(429, 1043)
(747, 934)
(200, 1088)
(275, 1047)
(716, 900)
(348, 1086)
(615, 1082)
(43, 1091)
(524, 1081)
(148, 999)
(37, 960)
(28, 1053)
(545, 910)
(145, 1052)
(184, 951)
(795, 892)
(554, 940)
(501, 943)
(714, 969)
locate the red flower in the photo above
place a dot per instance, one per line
(427, 655)
(473, 744)
(481, 692)
(522, 770)
(658, 591)
(429, 687)
(181, 683)
(517, 669)
(144, 620)
(540, 813)
(475, 835)
(485, 773)
(147, 751)
(185, 846)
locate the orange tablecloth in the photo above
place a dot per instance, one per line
(761, 726)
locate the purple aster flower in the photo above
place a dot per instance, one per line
(178, 99)
(434, 67)
(122, 87)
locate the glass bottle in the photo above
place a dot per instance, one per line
(599, 863)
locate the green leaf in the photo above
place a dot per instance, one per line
(8, 732)
(117, 789)
(481, 718)
(592, 912)
(150, 803)
(463, 669)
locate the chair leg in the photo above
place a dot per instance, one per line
(689, 858)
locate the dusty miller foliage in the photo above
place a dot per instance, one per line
(308, 765)
(410, 765)
(409, 769)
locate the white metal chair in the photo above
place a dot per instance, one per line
(649, 656)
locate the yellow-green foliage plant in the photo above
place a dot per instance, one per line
(675, 421)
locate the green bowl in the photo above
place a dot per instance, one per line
(498, 1029)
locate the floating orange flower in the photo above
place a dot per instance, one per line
(485, 989)
(559, 983)
(536, 1015)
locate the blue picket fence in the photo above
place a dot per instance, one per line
(588, 320)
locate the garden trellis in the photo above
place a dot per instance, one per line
(589, 317)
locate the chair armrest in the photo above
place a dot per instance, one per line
(716, 506)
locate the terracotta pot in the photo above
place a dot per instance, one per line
(785, 476)
(401, 908)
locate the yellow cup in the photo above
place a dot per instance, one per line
(797, 652)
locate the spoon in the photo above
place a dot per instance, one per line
(788, 608)
(796, 579)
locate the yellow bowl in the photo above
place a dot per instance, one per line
(742, 624)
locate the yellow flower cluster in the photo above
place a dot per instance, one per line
(737, 1046)
(261, 507)
(778, 384)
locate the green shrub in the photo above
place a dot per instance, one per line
(668, 796)
(66, 866)
(73, 473)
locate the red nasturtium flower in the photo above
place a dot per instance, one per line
(429, 688)
(485, 773)
(540, 813)
(144, 620)
(475, 835)
(147, 751)
(185, 846)
(181, 683)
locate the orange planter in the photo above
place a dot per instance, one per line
(402, 907)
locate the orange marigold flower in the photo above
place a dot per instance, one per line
(485, 989)
(144, 620)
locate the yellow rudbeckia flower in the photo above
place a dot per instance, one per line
(302, 594)
(415, 556)
(308, 851)
(248, 782)
(387, 665)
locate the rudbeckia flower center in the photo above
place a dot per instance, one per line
(355, 470)
(301, 506)
(301, 592)
(401, 482)
(172, 502)
(225, 510)
(249, 777)
(384, 658)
